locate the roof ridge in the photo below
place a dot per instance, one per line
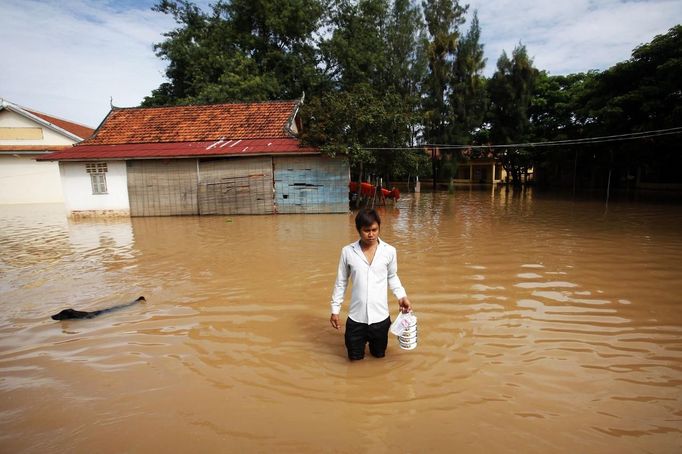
(235, 103)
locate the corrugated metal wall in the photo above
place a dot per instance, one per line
(236, 186)
(162, 187)
(230, 186)
(311, 184)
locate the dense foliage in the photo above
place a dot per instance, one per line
(390, 82)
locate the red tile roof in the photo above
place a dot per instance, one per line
(243, 147)
(74, 128)
(195, 123)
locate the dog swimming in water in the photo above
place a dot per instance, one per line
(68, 314)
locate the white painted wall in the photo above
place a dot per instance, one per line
(77, 188)
(23, 180)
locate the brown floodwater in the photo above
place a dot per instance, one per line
(545, 325)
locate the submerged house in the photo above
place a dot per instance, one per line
(485, 170)
(194, 160)
(26, 134)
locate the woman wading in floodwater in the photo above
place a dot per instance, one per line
(372, 265)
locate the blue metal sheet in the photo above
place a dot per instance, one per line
(311, 184)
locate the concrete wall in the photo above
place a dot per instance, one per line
(23, 180)
(78, 196)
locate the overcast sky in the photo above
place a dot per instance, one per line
(68, 58)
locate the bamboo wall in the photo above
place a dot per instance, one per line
(163, 187)
(232, 186)
(236, 186)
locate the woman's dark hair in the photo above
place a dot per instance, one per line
(366, 217)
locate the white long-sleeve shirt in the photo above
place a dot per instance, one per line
(368, 303)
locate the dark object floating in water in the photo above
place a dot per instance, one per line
(68, 314)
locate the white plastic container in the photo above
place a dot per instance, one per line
(401, 323)
(405, 327)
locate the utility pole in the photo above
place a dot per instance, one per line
(433, 166)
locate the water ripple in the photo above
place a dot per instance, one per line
(542, 323)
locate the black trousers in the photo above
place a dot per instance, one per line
(359, 334)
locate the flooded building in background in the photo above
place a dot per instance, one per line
(225, 159)
(26, 134)
(483, 170)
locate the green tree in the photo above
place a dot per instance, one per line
(354, 53)
(510, 92)
(405, 71)
(407, 63)
(246, 50)
(346, 118)
(553, 110)
(643, 93)
(554, 116)
(443, 19)
(468, 96)
(371, 58)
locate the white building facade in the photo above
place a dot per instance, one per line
(95, 188)
(25, 135)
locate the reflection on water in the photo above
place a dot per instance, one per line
(546, 325)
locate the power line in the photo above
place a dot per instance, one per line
(552, 143)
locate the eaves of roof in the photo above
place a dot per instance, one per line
(227, 148)
(32, 149)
